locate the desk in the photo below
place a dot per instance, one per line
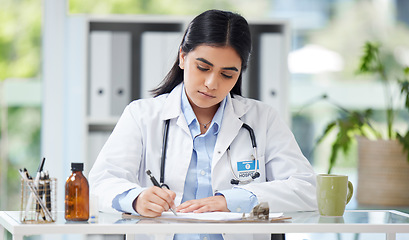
(354, 221)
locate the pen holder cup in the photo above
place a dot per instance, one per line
(38, 201)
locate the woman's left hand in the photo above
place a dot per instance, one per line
(209, 204)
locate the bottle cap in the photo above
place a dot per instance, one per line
(77, 166)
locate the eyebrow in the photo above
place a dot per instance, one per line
(211, 64)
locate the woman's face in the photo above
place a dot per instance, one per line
(209, 74)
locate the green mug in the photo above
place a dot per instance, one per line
(333, 193)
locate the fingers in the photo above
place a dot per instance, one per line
(194, 206)
(172, 196)
(209, 204)
(153, 201)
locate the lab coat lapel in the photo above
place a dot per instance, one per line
(171, 108)
(231, 126)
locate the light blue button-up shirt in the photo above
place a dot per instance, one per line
(198, 179)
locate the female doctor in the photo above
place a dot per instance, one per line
(210, 163)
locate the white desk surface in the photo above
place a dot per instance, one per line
(353, 221)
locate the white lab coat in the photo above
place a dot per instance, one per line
(286, 182)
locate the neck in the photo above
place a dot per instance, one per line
(205, 113)
(205, 116)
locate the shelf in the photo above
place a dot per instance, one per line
(102, 124)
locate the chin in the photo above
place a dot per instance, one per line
(204, 105)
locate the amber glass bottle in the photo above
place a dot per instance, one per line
(76, 195)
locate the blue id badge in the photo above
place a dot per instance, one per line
(249, 165)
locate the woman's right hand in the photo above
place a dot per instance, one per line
(153, 201)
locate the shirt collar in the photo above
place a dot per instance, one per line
(191, 117)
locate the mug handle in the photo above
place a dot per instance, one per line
(350, 191)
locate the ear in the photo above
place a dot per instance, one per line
(182, 56)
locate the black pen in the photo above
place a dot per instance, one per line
(39, 170)
(47, 190)
(41, 195)
(153, 179)
(26, 173)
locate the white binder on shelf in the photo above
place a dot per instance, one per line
(110, 73)
(100, 74)
(159, 52)
(272, 71)
(120, 72)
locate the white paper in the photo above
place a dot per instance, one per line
(218, 216)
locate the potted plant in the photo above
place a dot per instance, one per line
(383, 161)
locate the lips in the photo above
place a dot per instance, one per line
(207, 94)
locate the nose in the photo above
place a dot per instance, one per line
(211, 81)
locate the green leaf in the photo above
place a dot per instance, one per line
(333, 157)
(405, 91)
(327, 130)
(405, 143)
(369, 62)
(343, 138)
(406, 71)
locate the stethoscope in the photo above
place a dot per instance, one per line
(235, 179)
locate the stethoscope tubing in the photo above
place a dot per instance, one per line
(252, 136)
(165, 145)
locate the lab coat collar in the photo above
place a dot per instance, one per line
(171, 107)
(237, 105)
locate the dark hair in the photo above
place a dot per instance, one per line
(213, 28)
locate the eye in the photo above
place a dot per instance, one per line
(226, 75)
(203, 69)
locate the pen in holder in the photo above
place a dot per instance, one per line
(38, 200)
